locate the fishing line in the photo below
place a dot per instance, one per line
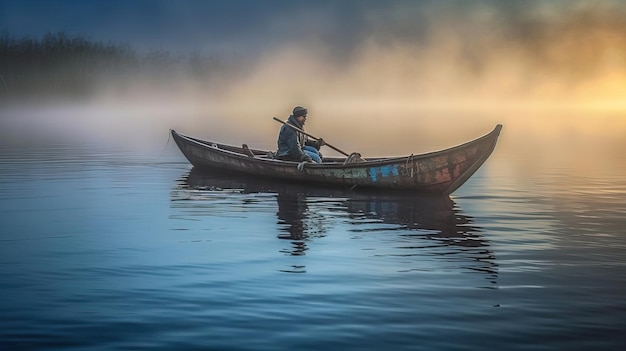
(165, 147)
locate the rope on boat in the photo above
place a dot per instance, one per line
(301, 166)
(353, 158)
(410, 159)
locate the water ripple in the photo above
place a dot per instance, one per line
(103, 251)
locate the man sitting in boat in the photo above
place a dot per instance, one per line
(295, 146)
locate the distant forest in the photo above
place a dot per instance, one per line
(60, 65)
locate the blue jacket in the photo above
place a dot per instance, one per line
(290, 142)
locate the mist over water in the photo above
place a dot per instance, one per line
(409, 78)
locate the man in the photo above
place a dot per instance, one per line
(295, 146)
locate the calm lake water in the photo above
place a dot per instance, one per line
(109, 250)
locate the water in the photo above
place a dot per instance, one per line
(109, 250)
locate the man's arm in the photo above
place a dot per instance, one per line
(294, 146)
(315, 143)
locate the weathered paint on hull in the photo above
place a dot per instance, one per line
(437, 172)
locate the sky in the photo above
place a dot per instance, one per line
(421, 64)
(192, 24)
(572, 40)
(251, 25)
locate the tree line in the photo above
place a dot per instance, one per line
(59, 64)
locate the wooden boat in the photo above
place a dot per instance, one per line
(440, 172)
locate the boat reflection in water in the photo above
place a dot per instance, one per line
(409, 225)
(292, 212)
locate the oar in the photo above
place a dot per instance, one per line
(311, 136)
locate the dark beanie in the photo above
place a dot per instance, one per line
(299, 111)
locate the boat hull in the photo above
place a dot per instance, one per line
(440, 172)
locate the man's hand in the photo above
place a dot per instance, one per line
(321, 142)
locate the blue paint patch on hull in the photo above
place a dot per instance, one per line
(383, 171)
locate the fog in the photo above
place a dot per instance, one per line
(406, 78)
